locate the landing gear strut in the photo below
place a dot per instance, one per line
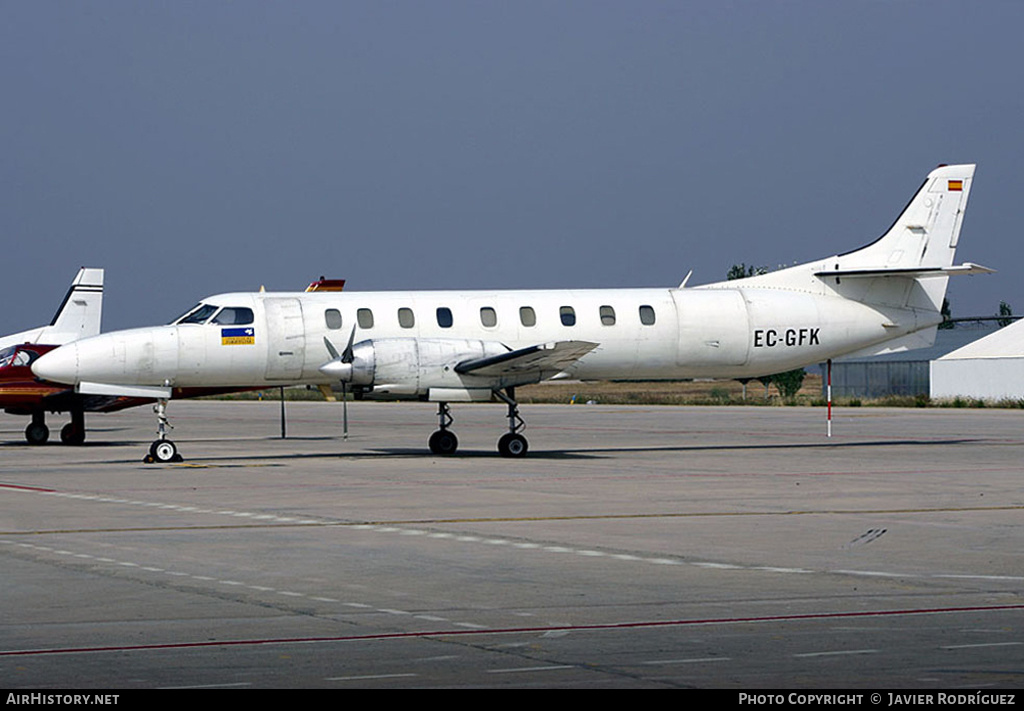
(162, 450)
(512, 444)
(73, 433)
(444, 441)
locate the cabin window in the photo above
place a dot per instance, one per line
(607, 316)
(488, 317)
(568, 315)
(406, 319)
(444, 317)
(333, 319)
(233, 316)
(647, 315)
(365, 318)
(527, 317)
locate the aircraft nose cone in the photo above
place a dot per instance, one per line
(59, 365)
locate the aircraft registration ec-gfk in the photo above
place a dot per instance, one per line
(469, 346)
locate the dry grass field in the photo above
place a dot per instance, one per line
(698, 392)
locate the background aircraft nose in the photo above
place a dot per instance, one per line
(59, 365)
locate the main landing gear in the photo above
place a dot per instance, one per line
(162, 450)
(443, 442)
(512, 444)
(73, 433)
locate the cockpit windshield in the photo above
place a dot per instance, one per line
(197, 314)
(15, 356)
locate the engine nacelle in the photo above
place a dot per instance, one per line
(411, 367)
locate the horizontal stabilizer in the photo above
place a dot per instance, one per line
(912, 272)
(546, 357)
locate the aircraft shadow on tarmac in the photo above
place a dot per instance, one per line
(552, 454)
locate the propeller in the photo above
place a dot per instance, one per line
(340, 366)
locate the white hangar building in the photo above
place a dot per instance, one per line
(990, 368)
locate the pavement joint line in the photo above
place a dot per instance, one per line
(514, 519)
(588, 553)
(421, 634)
(237, 583)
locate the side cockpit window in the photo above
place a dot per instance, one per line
(233, 316)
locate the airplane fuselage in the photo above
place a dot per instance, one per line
(641, 334)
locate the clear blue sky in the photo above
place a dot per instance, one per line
(193, 148)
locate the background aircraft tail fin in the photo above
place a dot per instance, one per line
(81, 311)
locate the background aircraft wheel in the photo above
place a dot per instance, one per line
(163, 450)
(444, 442)
(513, 445)
(37, 433)
(69, 434)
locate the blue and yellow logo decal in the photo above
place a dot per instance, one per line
(238, 336)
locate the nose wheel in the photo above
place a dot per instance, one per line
(163, 451)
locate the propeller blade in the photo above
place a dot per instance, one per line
(331, 349)
(346, 356)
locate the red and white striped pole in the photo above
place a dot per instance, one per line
(829, 397)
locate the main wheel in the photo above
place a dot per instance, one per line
(163, 450)
(37, 433)
(443, 442)
(513, 445)
(70, 434)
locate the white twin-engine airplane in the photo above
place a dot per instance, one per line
(470, 346)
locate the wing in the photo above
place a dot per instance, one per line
(543, 360)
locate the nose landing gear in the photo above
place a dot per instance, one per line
(162, 450)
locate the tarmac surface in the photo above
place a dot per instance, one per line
(635, 547)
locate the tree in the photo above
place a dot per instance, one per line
(789, 383)
(1006, 312)
(742, 271)
(947, 315)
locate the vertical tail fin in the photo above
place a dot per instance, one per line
(921, 243)
(927, 231)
